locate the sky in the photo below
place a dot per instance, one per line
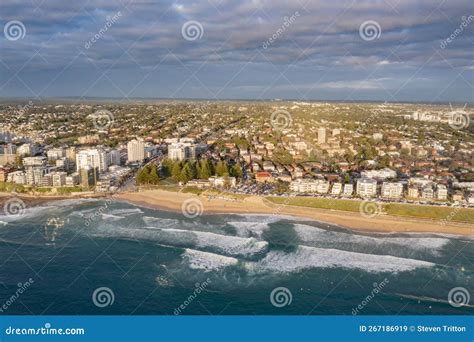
(380, 50)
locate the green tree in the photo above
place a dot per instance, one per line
(153, 176)
(222, 169)
(186, 173)
(236, 171)
(205, 169)
(176, 172)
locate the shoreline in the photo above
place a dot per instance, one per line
(173, 201)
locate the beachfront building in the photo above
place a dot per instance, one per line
(58, 178)
(17, 177)
(93, 158)
(323, 187)
(458, 196)
(441, 192)
(348, 190)
(367, 187)
(392, 190)
(304, 185)
(35, 169)
(136, 151)
(89, 176)
(336, 189)
(427, 192)
(72, 179)
(181, 151)
(413, 192)
(219, 182)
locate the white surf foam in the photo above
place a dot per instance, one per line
(111, 217)
(126, 212)
(247, 229)
(207, 261)
(312, 257)
(310, 234)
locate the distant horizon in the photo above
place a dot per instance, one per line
(135, 99)
(365, 51)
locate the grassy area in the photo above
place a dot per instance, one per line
(395, 209)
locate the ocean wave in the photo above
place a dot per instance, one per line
(228, 245)
(126, 212)
(111, 217)
(311, 257)
(207, 261)
(249, 229)
(314, 235)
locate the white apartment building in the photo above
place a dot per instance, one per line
(367, 187)
(392, 190)
(26, 149)
(348, 190)
(336, 189)
(441, 192)
(427, 192)
(56, 153)
(304, 185)
(58, 178)
(94, 158)
(413, 192)
(17, 177)
(379, 174)
(136, 150)
(181, 151)
(323, 187)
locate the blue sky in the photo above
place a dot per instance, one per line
(247, 49)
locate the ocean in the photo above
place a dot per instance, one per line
(95, 257)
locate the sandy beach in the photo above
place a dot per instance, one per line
(173, 201)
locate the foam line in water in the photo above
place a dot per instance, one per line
(310, 234)
(207, 261)
(312, 257)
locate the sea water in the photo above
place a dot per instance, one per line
(149, 261)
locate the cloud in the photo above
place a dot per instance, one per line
(324, 34)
